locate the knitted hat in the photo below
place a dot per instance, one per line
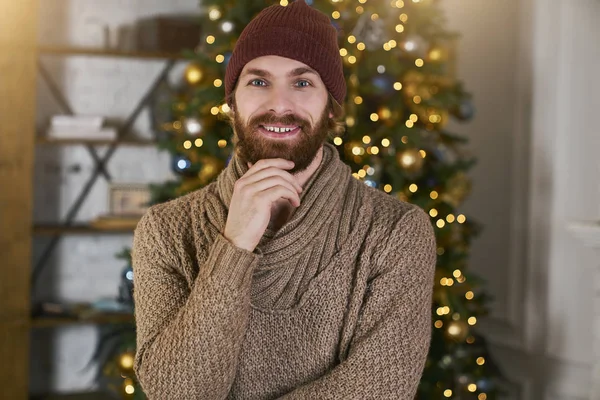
(296, 31)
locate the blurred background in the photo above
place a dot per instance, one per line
(483, 113)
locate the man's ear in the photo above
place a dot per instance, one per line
(330, 114)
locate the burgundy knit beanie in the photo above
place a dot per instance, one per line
(296, 31)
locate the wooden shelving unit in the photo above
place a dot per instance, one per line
(93, 52)
(99, 319)
(79, 142)
(79, 229)
(69, 225)
(74, 396)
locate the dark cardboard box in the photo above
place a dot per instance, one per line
(168, 33)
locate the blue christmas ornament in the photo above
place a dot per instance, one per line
(126, 286)
(466, 110)
(181, 165)
(485, 385)
(445, 154)
(384, 83)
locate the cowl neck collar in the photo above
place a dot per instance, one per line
(321, 197)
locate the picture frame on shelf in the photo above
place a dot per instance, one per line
(127, 203)
(128, 199)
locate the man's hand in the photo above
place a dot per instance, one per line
(253, 194)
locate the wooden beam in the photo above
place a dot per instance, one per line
(18, 30)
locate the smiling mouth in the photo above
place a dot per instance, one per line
(279, 131)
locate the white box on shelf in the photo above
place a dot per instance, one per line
(109, 133)
(77, 121)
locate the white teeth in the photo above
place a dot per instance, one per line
(278, 130)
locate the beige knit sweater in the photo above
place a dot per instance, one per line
(334, 305)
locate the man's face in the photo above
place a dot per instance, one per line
(280, 111)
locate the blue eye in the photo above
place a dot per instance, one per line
(299, 83)
(260, 82)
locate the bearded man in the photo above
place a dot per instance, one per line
(286, 277)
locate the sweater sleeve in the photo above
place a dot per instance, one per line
(387, 354)
(188, 338)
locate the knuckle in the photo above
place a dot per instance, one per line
(239, 184)
(272, 170)
(261, 197)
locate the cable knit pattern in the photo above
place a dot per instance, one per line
(334, 305)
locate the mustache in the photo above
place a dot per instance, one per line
(287, 119)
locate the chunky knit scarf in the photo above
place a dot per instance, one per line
(294, 254)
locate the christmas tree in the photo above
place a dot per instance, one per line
(402, 91)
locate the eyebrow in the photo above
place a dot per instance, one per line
(295, 72)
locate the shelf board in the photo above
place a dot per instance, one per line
(98, 52)
(71, 142)
(74, 396)
(100, 319)
(80, 229)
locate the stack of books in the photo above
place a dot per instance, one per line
(80, 127)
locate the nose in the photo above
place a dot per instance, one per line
(279, 101)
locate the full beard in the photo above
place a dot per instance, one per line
(252, 146)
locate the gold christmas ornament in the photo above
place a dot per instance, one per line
(384, 113)
(413, 76)
(410, 160)
(442, 81)
(126, 361)
(411, 81)
(437, 54)
(457, 330)
(402, 196)
(211, 166)
(388, 117)
(458, 188)
(194, 74)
